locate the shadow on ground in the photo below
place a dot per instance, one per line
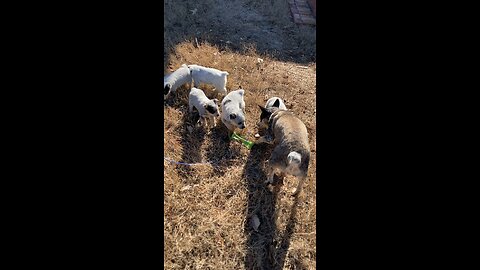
(265, 248)
(221, 150)
(192, 141)
(238, 25)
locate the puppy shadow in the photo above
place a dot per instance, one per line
(261, 204)
(192, 138)
(283, 243)
(266, 249)
(221, 151)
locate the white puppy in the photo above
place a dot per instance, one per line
(275, 102)
(212, 76)
(207, 108)
(176, 79)
(233, 110)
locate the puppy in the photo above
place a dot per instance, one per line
(291, 154)
(211, 76)
(176, 79)
(207, 108)
(272, 102)
(233, 110)
(275, 102)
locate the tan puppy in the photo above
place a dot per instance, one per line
(291, 154)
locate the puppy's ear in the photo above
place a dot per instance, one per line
(263, 109)
(276, 103)
(210, 108)
(233, 116)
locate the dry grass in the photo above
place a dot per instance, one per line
(208, 208)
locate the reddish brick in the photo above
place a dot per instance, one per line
(302, 12)
(309, 20)
(313, 6)
(305, 11)
(303, 5)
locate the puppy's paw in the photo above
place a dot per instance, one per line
(260, 140)
(264, 139)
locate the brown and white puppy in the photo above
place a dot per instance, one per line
(291, 154)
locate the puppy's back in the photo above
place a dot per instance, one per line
(206, 71)
(233, 99)
(292, 136)
(178, 77)
(272, 100)
(197, 95)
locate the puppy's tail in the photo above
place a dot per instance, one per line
(294, 159)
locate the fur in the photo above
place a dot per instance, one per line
(233, 110)
(211, 76)
(207, 108)
(275, 102)
(173, 81)
(272, 102)
(291, 154)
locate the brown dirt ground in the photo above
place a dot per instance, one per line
(208, 209)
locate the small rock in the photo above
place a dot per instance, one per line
(186, 188)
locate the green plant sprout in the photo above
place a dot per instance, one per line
(242, 140)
